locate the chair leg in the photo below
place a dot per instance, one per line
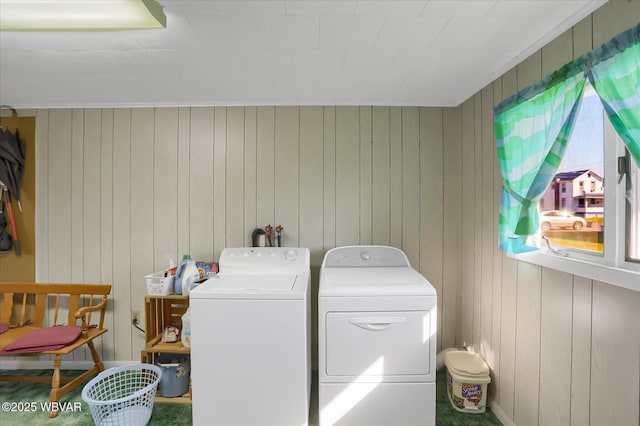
(96, 358)
(54, 396)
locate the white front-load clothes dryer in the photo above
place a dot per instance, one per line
(376, 339)
(251, 340)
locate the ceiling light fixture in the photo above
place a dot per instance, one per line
(80, 15)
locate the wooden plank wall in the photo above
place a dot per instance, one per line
(563, 350)
(122, 190)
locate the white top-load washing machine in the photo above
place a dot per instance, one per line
(251, 340)
(376, 339)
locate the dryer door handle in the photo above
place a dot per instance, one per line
(377, 323)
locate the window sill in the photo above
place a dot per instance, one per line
(619, 276)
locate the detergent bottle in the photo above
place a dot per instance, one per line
(190, 275)
(177, 285)
(186, 329)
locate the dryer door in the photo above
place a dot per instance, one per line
(366, 345)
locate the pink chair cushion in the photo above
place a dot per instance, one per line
(44, 339)
(3, 328)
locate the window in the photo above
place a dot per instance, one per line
(595, 250)
(632, 211)
(556, 145)
(580, 224)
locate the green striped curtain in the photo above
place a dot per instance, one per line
(531, 138)
(533, 127)
(617, 82)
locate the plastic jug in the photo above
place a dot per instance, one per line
(177, 284)
(190, 275)
(182, 273)
(186, 329)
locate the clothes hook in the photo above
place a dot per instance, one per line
(14, 113)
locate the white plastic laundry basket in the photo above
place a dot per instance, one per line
(123, 396)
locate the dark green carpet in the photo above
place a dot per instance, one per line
(173, 414)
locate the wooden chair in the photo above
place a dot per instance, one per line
(23, 310)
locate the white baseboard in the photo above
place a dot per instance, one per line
(501, 415)
(19, 364)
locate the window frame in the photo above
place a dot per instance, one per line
(610, 267)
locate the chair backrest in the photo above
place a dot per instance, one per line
(27, 302)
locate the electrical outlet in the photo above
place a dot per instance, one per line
(135, 317)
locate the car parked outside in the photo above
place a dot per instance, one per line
(561, 219)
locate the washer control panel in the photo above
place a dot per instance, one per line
(244, 259)
(365, 256)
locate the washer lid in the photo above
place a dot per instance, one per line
(252, 287)
(394, 281)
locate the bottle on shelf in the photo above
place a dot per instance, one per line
(186, 329)
(186, 274)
